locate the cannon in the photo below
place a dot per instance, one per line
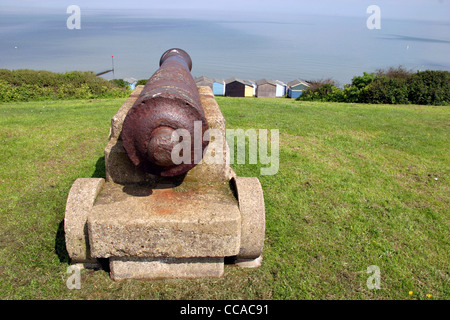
(169, 101)
(152, 218)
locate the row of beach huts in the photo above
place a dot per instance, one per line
(263, 88)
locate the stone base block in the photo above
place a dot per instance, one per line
(249, 263)
(192, 220)
(80, 201)
(165, 268)
(253, 216)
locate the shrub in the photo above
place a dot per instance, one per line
(114, 93)
(385, 90)
(26, 92)
(26, 85)
(326, 92)
(6, 76)
(6, 91)
(322, 90)
(83, 92)
(351, 93)
(141, 82)
(429, 87)
(395, 73)
(362, 82)
(119, 82)
(391, 86)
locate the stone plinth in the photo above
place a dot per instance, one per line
(165, 268)
(192, 220)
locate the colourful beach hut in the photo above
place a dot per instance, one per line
(250, 88)
(218, 87)
(204, 81)
(281, 88)
(131, 82)
(266, 88)
(296, 87)
(235, 87)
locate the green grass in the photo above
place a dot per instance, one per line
(358, 185)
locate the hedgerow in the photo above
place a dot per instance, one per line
(392, 86)
(29, 85)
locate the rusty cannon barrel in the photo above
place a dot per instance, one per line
(169, 101)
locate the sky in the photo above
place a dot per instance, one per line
(208, 9)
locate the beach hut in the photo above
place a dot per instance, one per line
(266, 88)
(281, 88)
(131, 82)
(204, 81)
(218, 87)
(253, 89)
(296, 87)
(235, 87)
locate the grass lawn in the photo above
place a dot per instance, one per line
(358, 185)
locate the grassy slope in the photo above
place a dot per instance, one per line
(358, 185)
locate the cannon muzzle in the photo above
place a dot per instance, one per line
(169, 101)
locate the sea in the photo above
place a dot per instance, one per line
(307, 47)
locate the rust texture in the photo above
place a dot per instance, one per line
(169, 101)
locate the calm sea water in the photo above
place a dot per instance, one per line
(307, 47)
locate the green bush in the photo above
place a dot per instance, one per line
(361, 82)
(113, 93)
(6, 91)
(385, 90)
(26, 92)
(27, 85)
(351, 94)
(142, 82)
(391, 86)
(397, 73)
(323, 92)
(429, 87)
(120, 83)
